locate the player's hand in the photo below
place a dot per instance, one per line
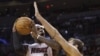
(33, 35)
(36, 9)
(33, 30)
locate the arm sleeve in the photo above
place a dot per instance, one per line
(18, 47)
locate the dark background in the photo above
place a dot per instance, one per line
(73, 18)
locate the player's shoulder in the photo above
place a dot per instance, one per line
(44, 44)
(34, 44)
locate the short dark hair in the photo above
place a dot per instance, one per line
(79, 43)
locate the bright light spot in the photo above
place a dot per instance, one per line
(66, 31)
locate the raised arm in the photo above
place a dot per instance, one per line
(50, 42)
(53, 32)
(48, 27)
(18, 47)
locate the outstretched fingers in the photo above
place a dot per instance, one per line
(36, 8)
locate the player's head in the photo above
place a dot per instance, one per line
(40, 29)
(77, 43)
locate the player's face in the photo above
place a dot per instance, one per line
(40, 30)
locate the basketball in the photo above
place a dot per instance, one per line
(23, 25)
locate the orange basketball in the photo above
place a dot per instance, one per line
(23, 25)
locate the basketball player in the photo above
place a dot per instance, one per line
(70, 48)
(41, 47)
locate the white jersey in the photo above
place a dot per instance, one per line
(38, 49)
